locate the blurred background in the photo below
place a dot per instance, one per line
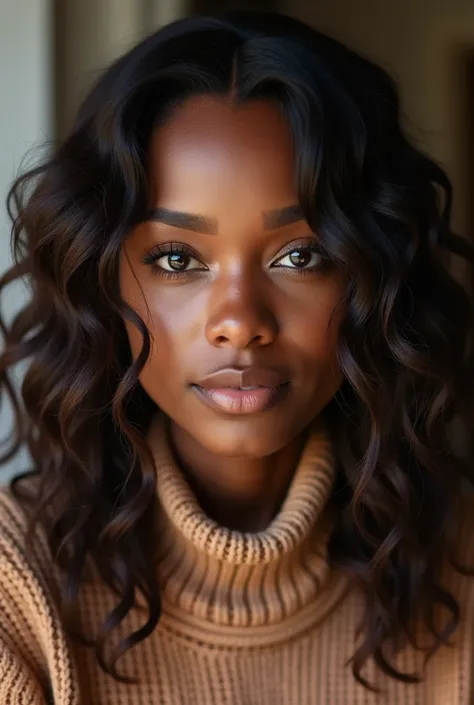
(50, 53)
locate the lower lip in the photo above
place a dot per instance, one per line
(243, 401)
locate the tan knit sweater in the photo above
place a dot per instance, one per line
(248, 619)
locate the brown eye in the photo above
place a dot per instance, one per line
(178, 262)
(173, 259)
(301, 258)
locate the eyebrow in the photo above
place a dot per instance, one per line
(273, 219)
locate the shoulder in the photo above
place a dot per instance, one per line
(464, 527)
(460, 564)
(27, 583)
(32, 643)
(19, 564)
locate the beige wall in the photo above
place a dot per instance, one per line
(419, 42)
(90, 34)
(25, 124)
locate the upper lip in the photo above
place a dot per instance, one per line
(244, 377)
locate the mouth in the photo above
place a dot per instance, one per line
(247, 391)
(243, 400)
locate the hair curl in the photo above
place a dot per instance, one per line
(381, 210)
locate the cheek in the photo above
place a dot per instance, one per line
(172, 329)
(317, 326)
(320, 331)
(171, 322)
(162, 368)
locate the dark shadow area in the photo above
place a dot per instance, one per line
(202, 7)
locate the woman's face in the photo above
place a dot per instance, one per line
(228, 278)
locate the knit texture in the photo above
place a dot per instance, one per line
(248, 619)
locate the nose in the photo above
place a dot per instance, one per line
(239, 317)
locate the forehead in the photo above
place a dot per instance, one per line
(211, 151)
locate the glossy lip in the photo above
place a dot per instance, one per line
(222, 389)
(242, 377)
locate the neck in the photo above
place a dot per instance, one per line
(239, 493)
(230, 578)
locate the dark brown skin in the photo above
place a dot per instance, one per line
(239, 302)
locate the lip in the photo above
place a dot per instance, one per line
(243, 377)
(222, 389)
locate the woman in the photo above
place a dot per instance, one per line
(246, 351)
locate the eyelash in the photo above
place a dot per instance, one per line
(172, 248)
(152, 256)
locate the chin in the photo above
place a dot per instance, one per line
(243, 438)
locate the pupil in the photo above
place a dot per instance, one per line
(300, 258)
(178, 261)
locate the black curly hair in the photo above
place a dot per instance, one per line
(381, 209)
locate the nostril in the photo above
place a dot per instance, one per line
(221, 339)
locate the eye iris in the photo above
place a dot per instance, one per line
(300, 258)
(178, 261)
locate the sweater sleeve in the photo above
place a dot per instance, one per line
(36, 666)
(18, 684)
(462, 588)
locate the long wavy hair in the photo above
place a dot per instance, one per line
(381, 209)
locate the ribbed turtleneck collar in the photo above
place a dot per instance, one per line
(235, 579)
